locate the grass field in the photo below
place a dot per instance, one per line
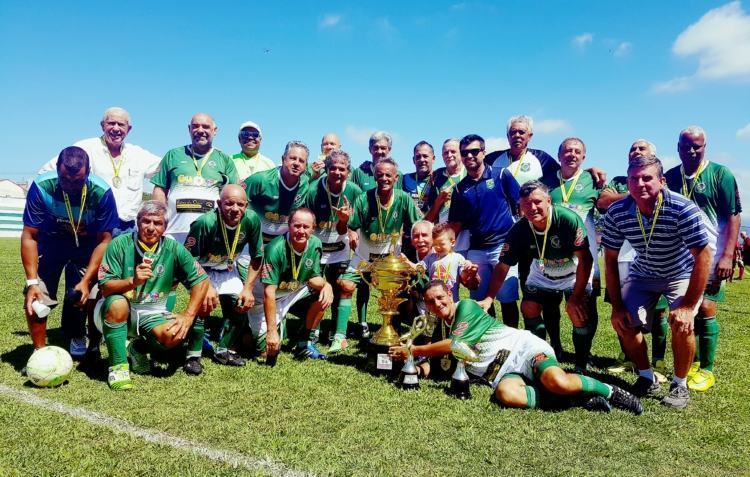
(332, 418)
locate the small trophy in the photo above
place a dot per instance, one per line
(409, 378)
(460, 379)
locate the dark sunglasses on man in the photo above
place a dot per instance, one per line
(246, 134)
(473, 152)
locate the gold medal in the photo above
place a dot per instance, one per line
(373, 237)
(282, 286)
(293, 286)
(198, 180)
(445, 363)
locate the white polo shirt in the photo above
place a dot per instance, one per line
(138, 164)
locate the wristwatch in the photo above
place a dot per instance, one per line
(32, 281)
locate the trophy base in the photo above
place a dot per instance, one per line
(380, 363)
(408, 381)
(460, 390)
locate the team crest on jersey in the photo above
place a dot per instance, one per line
(578, 187)
(103, 269)
(460, 328)
(491, 183)
(554, 241)
(700, 187)
(212, 163)
(159, 269)
(525, 167)
(190, 242)
(579, 237)
(265, 271)
(308, 263)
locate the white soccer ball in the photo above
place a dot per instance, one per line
(49, 366)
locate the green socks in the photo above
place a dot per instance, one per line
(363, 296)
(536, 326)
(531, 397)
(232, 323)
(659, 338)
(115, 335)
(707, 342)
(594, 386)
(195, 338)
(343, 311)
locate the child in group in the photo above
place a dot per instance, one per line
(447, 265)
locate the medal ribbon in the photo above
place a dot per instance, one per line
(521, 157)
(701, 168)
(653, 224)
(382, 220)
(147, 248)
(198, 169)
(295, 267)
(75, 226)
(567, 194)
(230, 252)
(544, 240)
(330, 201)
(115, 167)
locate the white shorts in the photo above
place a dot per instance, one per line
(257, 316)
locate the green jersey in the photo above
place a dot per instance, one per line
(618, 184)
(364, 177)
(714, 190)
(379, 223)
(192, 183)
(211, 247)
(557, 269)
(321, 202)
(273, 201)
(247, 166)
(170, 263)
(287, 269)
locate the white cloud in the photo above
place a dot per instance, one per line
(330, 20)
(676, 85)
(721, 42)
(744, 132)
(551, 126)
(359, 135)
(496, 144)
(582, 40)
(623, 49)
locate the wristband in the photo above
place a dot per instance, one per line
(32, 281)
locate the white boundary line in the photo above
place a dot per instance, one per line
(234, 459)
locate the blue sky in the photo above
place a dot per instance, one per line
(421, 70)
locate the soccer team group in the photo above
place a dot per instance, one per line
(254, 242)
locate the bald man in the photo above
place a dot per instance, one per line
(328, 144)
(216, 240)
(190, 177)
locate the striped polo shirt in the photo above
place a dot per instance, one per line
(679, 228)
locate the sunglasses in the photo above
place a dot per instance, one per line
(471, 152)
(245, 135)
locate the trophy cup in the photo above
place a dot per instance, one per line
(409, 378)
(460, 379)
(390, 275)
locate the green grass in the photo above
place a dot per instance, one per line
(334, 418)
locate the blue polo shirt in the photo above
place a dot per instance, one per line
(485, 206)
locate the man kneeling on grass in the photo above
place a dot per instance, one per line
(135, 277)
(290, 282)
(521, 367)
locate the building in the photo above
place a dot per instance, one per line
(12, 202)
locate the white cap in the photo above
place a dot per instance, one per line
(250, 124)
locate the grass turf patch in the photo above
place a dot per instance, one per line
(334, 418)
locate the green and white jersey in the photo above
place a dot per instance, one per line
(192, 183)
(171, 263)
(364, 177)
(205, 241)
(273, 201)
(279, 259)
(378, 224)
(320, 200)
(714, 190)
(566, 236)
(619, 184)
(247, 166)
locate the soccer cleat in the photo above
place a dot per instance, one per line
(338, 344)
(581, 369)
(694, 368)
(678, 397)
(193, 366)
(229, 358)
(119, 377)
(702, 381)
(645, 387)
(309, 351)
(78, 347)
(624, 400)
(660, 371)
(139, 361)
(207, 347)
(597, 404)
(364, 332)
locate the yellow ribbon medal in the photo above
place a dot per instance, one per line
(116, 180)
(293, 285)
(521, 157)
(566, 194)
(543, 248)
(382, 219)
(75, 225)
(653, 224)
(230, 251)
(685, 192)
(199, 181)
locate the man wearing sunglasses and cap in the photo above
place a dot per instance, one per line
(250, 161)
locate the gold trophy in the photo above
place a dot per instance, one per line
(390, 275)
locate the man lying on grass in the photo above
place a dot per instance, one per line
(521, 367)
(136, 277)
